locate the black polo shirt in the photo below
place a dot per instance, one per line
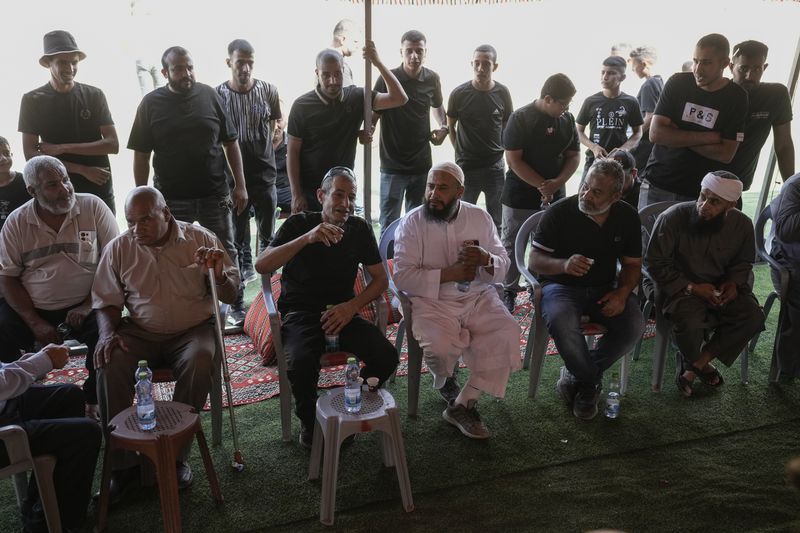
(543, 141)
(690, 108)
(769, 105)
(406, 130)
(329, 130)
(564, 231)
(480, 116)
(321, 275)
(185, 132)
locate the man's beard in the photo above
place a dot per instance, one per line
(60, 207)
(594, 211)
(444, 214)
(707, 227)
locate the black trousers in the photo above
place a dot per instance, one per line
(263, 200)
(53, 417)
(303, 343)
(16, 337)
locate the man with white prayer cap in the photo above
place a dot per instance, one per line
(701, 258)
(447, 255)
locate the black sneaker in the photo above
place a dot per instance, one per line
(466, 419)
(450, 389)
(585, 405)
(566, 386)
(510, 300)
(306, 436)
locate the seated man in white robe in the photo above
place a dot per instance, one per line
(447, 255)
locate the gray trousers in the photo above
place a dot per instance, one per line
(513, 218)
(189, 354)
(732, 326)
(650, 194)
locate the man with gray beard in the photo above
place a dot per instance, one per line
(49, 250)
(576, 249)
(701, 258)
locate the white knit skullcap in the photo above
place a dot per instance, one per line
(450, 169)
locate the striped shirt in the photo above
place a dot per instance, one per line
(252, 111)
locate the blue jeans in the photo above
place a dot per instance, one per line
(393, 187)
(562, 308)
(489, 181)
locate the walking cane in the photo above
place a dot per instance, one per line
(238, 463)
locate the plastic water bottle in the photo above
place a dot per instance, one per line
(352, 386)
(612, 397)
(331, 340)
(145, 406)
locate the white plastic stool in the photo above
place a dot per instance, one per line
(334, 424)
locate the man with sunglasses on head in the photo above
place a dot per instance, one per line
(320, 253)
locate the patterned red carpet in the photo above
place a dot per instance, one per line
(252, 382)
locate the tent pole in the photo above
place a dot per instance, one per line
(773, 159)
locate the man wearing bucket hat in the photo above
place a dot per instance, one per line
(70, 120)
(701, 258)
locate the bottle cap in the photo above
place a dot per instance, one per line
(143, 363)
(351, 359)
(329, 306)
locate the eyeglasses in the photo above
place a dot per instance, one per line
(340, 171)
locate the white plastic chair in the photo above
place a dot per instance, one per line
(20, 461)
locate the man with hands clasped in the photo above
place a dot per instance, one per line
(576, 249)
(320, 253)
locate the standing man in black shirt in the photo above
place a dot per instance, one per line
(185, 126)
(697, 127)
(642, 61)
(769, 108)
(253, 106)
(13, 192)
(320, 254)
(575, 252)
(324, 124)
(542, 154)
(609, 114)
(406, 131)
(477, 112)
(70, 120)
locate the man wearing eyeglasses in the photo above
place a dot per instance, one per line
(320, 253)
(770, 108)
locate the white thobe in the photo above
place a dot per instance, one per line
(448, 323)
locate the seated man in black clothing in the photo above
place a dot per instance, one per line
(53, 418)
(320, 254)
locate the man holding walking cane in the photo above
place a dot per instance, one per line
(159, 270)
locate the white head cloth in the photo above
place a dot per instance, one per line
(451, 169)
(726, 188)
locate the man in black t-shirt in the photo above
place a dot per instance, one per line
(324, 125)
(253, 106)
(642, 60)
(697, 126)
(70, 120)
(406, 133)
(185, 126)
(770, 108)
(477, 112)
(609, 114)
(320, 253)
(13, 192)
(542, 154)
(575, 253)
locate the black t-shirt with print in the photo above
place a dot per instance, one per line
(608, 120)
(690, 108)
